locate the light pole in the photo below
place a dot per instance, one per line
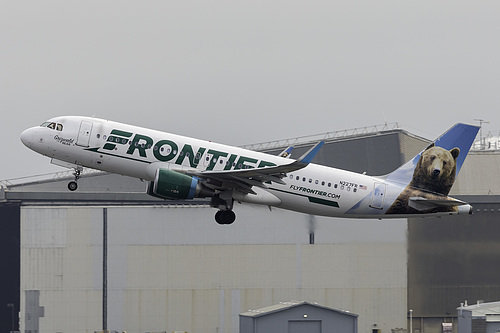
(11, 306)
(411, 321)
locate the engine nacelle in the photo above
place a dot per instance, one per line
(174, 185)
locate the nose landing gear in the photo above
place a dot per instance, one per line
(73, 185)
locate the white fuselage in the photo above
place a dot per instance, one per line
(139, 152)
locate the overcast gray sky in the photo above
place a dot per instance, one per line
(242, 72)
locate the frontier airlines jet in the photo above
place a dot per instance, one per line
(179, 167)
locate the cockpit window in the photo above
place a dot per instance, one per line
(54, 126)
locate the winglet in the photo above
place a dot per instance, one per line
(287, 152)
(309, 155)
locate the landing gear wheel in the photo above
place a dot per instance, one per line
(72, 186)
(225, 217)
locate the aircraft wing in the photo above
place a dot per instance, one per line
(243, 180)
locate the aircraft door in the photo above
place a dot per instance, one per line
(84, 134)
(378, 196)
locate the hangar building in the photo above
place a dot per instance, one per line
(290, 317)
(170, 267)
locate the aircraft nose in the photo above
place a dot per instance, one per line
(27, 137)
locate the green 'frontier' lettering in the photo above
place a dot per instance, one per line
(215, 157)
(167, 150)
(159, 148)
(187, 151)
(141, 146)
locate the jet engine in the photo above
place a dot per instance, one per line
(174, 185)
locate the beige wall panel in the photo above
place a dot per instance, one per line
(479, 174)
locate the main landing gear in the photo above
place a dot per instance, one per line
(73, 185)
(225, 216)
(224, 201)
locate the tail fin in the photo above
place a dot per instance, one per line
(460, 136)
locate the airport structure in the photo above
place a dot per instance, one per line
(296, 317)
(480, 317)
(109, 257)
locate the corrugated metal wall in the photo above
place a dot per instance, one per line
(176, 269)
(453, 259)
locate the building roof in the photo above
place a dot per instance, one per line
(490, 310)
(283, 306)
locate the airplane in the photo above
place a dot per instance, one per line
(178, 167)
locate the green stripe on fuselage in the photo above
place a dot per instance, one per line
(324, 202)
(311, 199)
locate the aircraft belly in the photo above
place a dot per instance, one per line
(116, 165)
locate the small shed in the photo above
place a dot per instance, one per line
(479, 318)
(298, 317)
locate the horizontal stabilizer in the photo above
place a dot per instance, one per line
(420, 203)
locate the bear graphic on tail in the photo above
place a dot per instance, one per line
(433, 178)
